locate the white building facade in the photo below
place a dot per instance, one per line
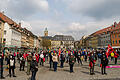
(12, 37)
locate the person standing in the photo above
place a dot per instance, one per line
(71, 62)
(22, 63)
(1, 66)
(41, 59)
(79, 58)
(34, 68)
(29, 59)
(92, 63)
(116, 56)
(55, 61)
(104, 63)
(11, 65)
(62, 60)
(50, 59)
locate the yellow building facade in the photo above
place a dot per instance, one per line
(1, 31)
(55, 44)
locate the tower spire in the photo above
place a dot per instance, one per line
(46, 32)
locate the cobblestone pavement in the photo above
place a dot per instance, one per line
(80, 73)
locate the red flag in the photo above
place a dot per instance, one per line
(109, 50)
(59, 52)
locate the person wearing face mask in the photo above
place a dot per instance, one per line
(34, 68)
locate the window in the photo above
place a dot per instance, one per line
(4, 32)
(113, 42)
(116, 41)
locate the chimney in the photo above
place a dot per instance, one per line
(3, 12)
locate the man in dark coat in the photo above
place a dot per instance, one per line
(50, 60)
(104, 63)
(62, 60)
(71, 63)
(1, 66)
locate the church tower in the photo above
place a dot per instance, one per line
(46, 32)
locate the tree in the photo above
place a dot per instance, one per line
(46, 43)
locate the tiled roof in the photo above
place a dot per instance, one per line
(8, 20)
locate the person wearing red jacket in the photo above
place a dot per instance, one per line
(37, 57)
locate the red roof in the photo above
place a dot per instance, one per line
(8, 20)
(110, 28)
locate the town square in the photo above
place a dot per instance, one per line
(59, 40)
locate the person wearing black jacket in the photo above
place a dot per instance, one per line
(34, 68)
(92, 63)
(79, 58)
(71, 63)
(22, 63)
(104, 63)
(50, 60)
(62, 60)
(1, 67)
(11, 64)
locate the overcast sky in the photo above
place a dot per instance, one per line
(69, 17)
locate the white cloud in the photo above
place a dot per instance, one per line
(42, 4)
(23, 9)
(26, 25)
(75, 26)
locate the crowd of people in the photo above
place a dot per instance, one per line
(34, 59)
